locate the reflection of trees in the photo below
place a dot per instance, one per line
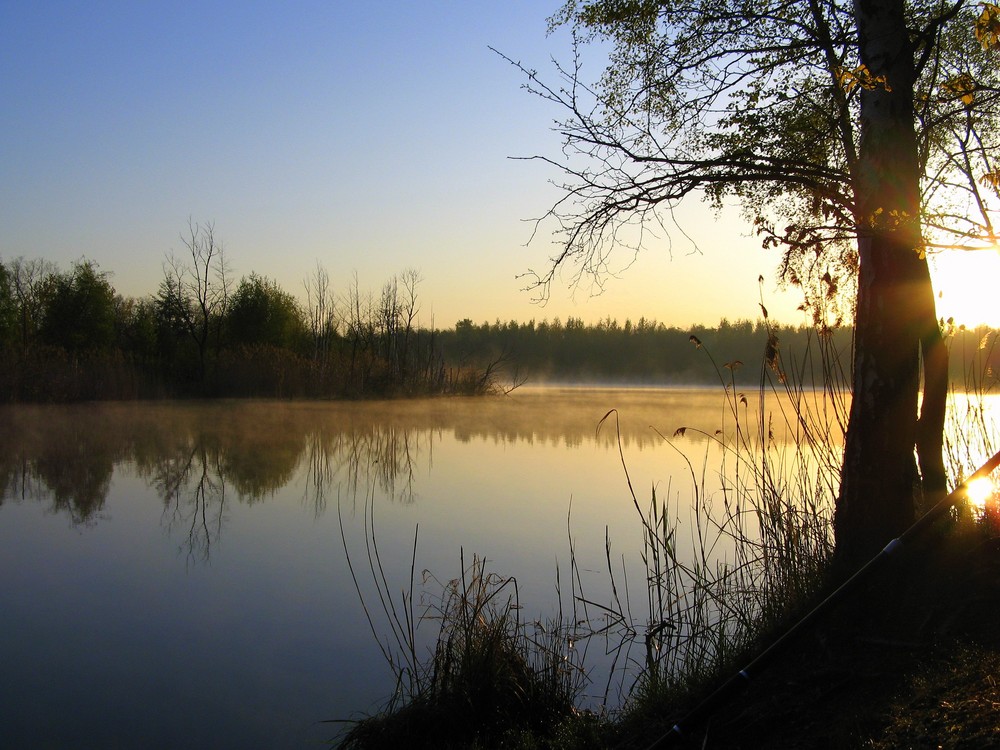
(200, 457)
(373, 455)
(193, 491)
(77, 479)
(260, 461)
(188, 452)
(71, 467)
(244, 449)
(196, 476)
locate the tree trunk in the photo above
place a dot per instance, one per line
(876, 498)
(895, 305)
(930, 425)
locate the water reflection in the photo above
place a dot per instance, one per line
(193, 490)
(195, 456)
(192, 455)
(373, 454)
(199, 457)
(62, 462)
(100, 610)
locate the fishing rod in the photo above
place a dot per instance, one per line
(742, 678)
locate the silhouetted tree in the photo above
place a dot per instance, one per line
(28, 285)
(260, 312)
(837, 126)
(136, 324)
(8, 308)
(321, 312)
(195, 291)
(79, 310)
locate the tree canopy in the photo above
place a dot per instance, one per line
(262, 312)
(761, 102)
(855, 136)
(79, 310)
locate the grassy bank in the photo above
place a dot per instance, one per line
(758, 557)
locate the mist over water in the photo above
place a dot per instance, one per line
(174, 574)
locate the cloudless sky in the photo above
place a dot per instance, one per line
(370, 137)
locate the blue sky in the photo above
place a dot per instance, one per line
(368, 136)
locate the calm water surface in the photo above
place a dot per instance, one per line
(175, 575)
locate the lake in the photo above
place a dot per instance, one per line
(176, 574)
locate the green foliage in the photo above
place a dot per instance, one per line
(28, 284)
(69, 336)
(176, 344)
(79, 311)
(642, 353)
(260, 312)
(137, 325)
(8, 308)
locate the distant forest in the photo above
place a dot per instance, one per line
(67, 335)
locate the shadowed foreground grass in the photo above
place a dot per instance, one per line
(495, 680)
(912, 661)
(491, 681)
(909, 661)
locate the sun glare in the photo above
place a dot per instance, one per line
(967, 284)
(979, 491)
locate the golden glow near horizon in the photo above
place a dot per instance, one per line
(967, 283)
(287, 185)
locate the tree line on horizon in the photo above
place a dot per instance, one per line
(649, 353)
(68, 336)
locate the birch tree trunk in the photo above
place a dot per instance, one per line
(895, 305)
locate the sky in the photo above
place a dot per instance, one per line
(369, 137)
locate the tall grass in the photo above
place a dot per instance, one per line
(971, 427)
(489, 678)
(758, 502)
(731, 550)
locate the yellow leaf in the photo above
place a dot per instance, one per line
(991, 178)
(849, 79)
(988, 26)
(961, 87)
